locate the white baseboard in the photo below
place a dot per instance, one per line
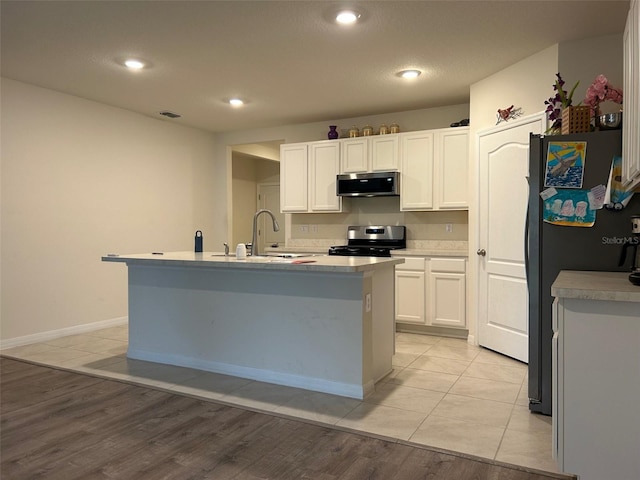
(62, 332)
(262, 375)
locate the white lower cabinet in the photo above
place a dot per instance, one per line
(410, 291)
(595, 388)
(447, 292)
(431, 291)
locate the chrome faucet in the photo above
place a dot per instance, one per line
(254, 238)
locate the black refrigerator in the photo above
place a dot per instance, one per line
(551, 248)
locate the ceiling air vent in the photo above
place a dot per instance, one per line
(169, 114)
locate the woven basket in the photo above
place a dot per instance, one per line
(576, 120)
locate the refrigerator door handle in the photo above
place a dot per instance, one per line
(526, 237)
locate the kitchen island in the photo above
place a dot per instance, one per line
(316, 322)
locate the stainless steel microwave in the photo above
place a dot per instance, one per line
(368, 184)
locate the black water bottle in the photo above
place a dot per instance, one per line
(198, 241)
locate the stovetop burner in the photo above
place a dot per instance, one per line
(372, 241)
(350, 251)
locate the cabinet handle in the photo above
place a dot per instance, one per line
(482, 252)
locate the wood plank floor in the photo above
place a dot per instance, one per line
(63, 425)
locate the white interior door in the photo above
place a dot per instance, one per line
(503, 156)
(269, 198)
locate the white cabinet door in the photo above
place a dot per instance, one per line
(385, 153)
(293, 177)
(435, 169)
(598, 383)
(410, 295)
(447, 292)
(370, 154)
(631, 99)
(324, 165)
(447, 299)
(451, 169)
(416, 179)
(354, 155)
(410, 291)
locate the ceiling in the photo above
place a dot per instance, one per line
(289, 61)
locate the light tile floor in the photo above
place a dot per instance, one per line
(442, 392)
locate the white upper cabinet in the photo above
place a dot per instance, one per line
(416, 180)
(385, 153)
(324, 165)
(354, 155)
(451, 168)
(631, 98)
(308, 177)
(294, 193)
(378, 153)
(434, 166)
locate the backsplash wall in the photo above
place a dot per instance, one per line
(379, 211)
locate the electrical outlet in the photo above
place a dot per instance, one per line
(313, 228)
(448, 227)
(304, 228)
(367, 302)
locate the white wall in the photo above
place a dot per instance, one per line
(584, 60)
(79, 180)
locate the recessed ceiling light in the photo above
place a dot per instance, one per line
(236, 102)
(134, 64)
(409, 73)
(347, 17)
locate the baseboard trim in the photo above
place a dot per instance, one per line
(62, 332)
(432, 330)
(262, 375)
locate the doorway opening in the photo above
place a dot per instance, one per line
(255, 184)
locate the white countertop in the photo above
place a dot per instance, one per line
(312, 263)
(586, 285)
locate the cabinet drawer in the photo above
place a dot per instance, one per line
(453, 265)
(411, 264)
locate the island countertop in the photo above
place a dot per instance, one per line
(587, 285)
(312, 263)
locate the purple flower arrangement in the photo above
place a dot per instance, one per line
(560, 100)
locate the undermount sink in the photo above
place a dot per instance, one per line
(265, 257)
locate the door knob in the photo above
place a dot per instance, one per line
(482, 252)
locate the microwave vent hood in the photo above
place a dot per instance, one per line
(378, 184)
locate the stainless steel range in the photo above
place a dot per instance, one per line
(372, 241)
